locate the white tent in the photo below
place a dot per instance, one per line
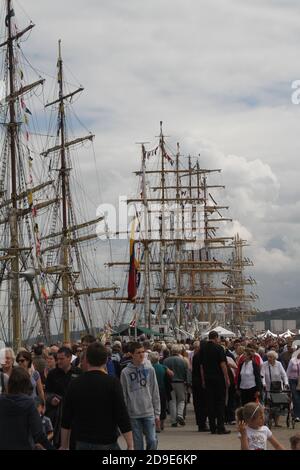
(222, 332)
(268, 333)
(287, 334)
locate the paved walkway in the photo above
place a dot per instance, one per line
(187, 437)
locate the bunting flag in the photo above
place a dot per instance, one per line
(134, 275)
(167, 157)
(132, 324)
(150, 153)
(23, 105)
(44, 293)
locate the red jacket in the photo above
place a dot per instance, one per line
(256, 359)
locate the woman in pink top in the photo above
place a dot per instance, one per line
(293, 373)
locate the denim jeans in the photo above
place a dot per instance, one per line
(80, 445)
(141, 426)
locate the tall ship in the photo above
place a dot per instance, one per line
(182, 273)
(48, 249)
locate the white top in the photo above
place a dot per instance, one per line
(257, 438)
(293, 370)
(278, 374)
(247, 376)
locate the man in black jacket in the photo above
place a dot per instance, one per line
(57, 383)
(95, 408)
(216, 380)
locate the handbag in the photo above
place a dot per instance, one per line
(275, 385)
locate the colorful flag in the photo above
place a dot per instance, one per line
(44, 293)
(133, 278)
(132, 324)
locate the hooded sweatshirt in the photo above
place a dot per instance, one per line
(140, 391)
(20, 423)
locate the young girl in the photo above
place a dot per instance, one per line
(252, 432)
(295, 442)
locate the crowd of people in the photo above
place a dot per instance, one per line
(85, 395)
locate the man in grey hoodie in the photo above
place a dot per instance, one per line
(141, 394)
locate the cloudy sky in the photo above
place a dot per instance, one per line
(219, 74)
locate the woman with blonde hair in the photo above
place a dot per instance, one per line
(275, 379)
(274, 374)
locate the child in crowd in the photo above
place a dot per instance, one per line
(46, 422)
(295, 441)
(252, 432)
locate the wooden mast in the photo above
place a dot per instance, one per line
(63, 175)
(147, 309)
(13, 218)
(162, 254)
(178, 244)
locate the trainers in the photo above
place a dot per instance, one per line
(232, 423)
(180, 420)
(174, 425)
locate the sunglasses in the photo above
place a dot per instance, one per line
(21, 360)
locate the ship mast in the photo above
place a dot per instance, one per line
(179, 227)
(162, 254)
(147, 310)
(64, 176)
(13, 218)
(68, 236)
(14, 212)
